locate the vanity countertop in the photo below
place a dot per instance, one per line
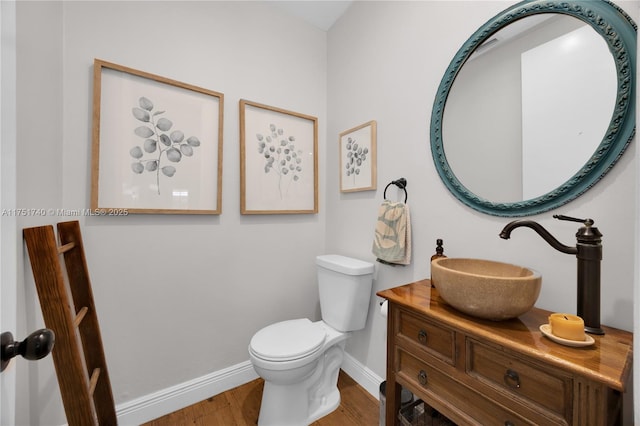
(607, 361)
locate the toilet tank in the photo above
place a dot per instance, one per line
(344, 285)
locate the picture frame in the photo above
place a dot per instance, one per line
(278, 160)
(358, 158)
(157, 144)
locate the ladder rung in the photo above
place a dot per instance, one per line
(80, 316)
(94, 381)
(65, 248)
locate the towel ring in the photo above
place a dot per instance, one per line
(400, 183)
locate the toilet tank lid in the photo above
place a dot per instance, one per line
(344, 265)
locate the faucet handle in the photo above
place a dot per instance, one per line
(587, 222)
(587, 234)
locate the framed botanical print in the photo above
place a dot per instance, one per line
(358, 169)
(157, 144)
(278, 160)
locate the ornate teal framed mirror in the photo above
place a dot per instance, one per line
(536, 106)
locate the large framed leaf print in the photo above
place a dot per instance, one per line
(157, 144)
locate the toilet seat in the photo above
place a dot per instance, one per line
(288, 340)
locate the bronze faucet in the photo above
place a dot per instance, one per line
(588, 250)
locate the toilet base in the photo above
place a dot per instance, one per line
(332, 402)
(295, 412)
(303, 403)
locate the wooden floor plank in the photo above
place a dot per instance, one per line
(247, 398)
(220, 417)
(240, 407)
(358, 403)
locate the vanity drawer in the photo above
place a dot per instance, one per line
(549, 391)
(434, 338)
(438, 389)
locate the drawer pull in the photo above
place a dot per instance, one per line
(509, 423)
(422, 377)
(422, 336)
(512, 379)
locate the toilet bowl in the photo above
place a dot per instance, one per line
(294, 392)
(299, 360)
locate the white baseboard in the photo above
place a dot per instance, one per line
(359, 372)
(168, 400)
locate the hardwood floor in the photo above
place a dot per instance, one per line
(240, 407)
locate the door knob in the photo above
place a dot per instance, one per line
(36, 346)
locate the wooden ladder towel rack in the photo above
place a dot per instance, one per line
(78, 354)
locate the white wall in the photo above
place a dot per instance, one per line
(39, 183)
(8, 233)
(386, 60)
(178, 297)
(165, 322)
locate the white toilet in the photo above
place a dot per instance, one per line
(298, 359)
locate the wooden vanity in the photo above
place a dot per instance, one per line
(479, 372)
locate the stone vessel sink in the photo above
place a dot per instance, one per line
(484, 288)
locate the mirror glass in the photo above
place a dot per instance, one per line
(524, 93)
(529, 113)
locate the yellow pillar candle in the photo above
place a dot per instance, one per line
(567, 326)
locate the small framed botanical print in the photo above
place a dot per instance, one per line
(358, 158)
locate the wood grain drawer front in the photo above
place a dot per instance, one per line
(430, 336)
(440, 390)
(519, 378)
